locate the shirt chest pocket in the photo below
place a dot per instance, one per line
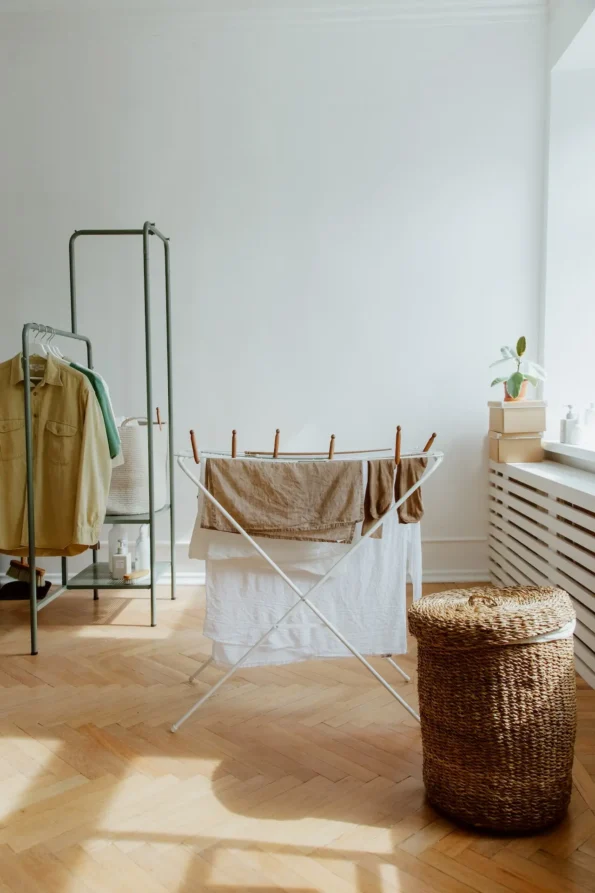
(60, 442)
(12, 439)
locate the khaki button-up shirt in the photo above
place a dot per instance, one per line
(71, 461)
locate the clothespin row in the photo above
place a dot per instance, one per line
(331, 449)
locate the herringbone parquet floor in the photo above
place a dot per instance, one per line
(302, 778)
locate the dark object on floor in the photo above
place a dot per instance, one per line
(19, 591)
(497, 699)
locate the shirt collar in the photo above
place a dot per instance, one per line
(52, 374)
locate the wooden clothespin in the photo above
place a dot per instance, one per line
(276, 446)
(398, 445)
(428, 445)
(233, 444)
(331, 449)
(159, 418)
(194, 448)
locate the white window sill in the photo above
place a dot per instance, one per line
(568, 454)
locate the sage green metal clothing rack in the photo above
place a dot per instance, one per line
(96, 576)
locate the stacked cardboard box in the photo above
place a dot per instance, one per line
(516, 430)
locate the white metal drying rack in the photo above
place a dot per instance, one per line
(305, 597)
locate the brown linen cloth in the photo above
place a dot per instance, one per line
(286, 500)
(379, 492)
(408, 473)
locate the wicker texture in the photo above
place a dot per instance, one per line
(498, 720)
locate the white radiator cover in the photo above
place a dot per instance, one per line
(542, 532)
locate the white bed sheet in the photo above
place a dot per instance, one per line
(367, 603)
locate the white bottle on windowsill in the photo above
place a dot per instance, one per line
(570, 429)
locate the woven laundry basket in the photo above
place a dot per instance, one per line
(498, 717)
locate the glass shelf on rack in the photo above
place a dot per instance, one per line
(97, 576)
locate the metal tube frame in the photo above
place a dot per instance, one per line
(34, 607)
(148, 229)
(305, 597)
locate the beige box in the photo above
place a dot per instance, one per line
(516, 448)
(525, 417)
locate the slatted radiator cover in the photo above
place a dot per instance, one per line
(542, 532)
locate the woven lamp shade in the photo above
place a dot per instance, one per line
(498, 718)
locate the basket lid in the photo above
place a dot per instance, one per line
(464, 619)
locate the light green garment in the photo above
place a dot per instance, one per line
(105, 404)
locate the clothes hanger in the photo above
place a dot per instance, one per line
(54, 349)
(38, 342)
(37, 351)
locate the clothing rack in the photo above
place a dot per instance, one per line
(306, 597)
(96, 576)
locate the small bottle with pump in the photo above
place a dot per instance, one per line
(116, 535)
(121, 562)
(570, 430)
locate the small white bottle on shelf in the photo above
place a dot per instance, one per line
(121, 562)
(116, 535)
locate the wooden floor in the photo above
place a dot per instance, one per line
(302, 778)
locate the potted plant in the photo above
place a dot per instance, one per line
(515, 385)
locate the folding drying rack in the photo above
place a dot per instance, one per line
(305, 598)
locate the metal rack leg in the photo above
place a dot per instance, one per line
(95, 591)
(170, 420)
(147, 295)
(30, 494)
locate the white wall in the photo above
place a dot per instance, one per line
(570, 307)
(353, 200)
(566, 20)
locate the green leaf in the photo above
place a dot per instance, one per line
(521, 346)
(513, 385)
(532, 380)
(498, 381)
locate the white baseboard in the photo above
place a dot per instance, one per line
(445, 560)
